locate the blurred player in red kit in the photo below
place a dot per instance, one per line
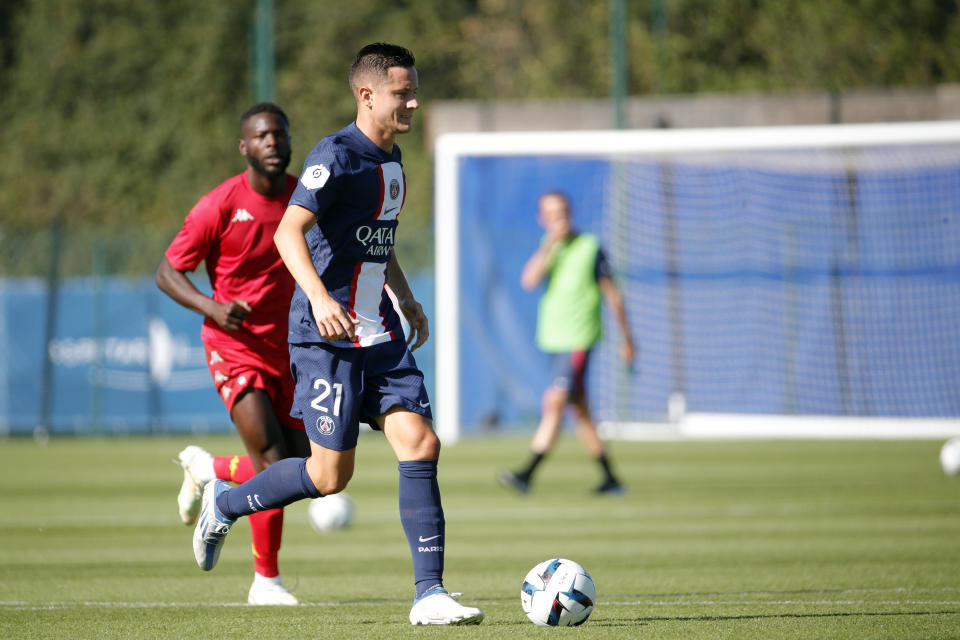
(244, 333)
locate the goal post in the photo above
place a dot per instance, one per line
(788, 272)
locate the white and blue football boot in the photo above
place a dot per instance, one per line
(212, 526)
(437, 606)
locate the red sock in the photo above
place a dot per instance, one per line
(233, 468)
(266, 529)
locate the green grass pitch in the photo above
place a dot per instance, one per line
(764, 539)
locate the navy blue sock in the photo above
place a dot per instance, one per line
(278, 485)
(422, 517)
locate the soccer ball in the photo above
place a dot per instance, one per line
(950, 456)
(330, 512)
(558, 593)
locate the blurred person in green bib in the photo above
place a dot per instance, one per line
(578, 277)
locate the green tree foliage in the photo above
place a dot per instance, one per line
(800, 45)
(118, 114)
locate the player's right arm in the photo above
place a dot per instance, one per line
(178, 286)
(603, 273)
(192, 245)
(333, 320)
(538, 264)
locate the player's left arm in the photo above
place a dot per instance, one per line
(603, 274)
(611, 294)
(419, 325)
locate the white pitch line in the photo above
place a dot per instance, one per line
(45, 606)
(33, 606)
(796, 603)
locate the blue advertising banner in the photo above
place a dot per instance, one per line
(122, 358)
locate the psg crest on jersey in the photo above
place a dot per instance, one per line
(394, 189)
(325, 425)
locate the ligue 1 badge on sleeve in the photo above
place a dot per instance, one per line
(315, 176)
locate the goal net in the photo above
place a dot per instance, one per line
(781, 281)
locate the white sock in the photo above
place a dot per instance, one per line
(259, 579)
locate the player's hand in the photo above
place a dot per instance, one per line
(558, 230)
(231, 315)
(419, 325)
(333, 320)
(627, 351)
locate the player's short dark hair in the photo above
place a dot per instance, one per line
(263, 107)
(378, 58)
(559, 193)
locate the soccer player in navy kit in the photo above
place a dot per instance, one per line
(348, 355)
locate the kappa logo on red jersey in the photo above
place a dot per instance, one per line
(242, 215)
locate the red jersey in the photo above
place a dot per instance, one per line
(231, 229)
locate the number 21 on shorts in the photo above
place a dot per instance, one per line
(337, 389)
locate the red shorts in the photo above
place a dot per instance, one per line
(235, 369)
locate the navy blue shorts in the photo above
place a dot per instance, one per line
(338, 388)
(568, 372)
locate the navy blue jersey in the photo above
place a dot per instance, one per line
(356, 191)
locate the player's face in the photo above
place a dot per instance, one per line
(394, 100)
(266, 144)
(554, 216)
